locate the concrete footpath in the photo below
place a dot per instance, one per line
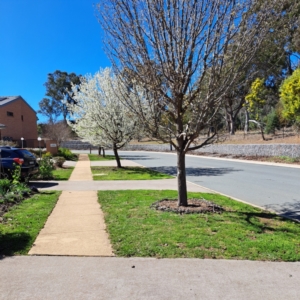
(159, 184)
(50, 277)
(76, 225)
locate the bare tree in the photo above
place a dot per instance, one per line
(57, 131)
(181, 58)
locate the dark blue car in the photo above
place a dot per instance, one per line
(10, 157)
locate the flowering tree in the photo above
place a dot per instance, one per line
(255, 101)
(99, 116)
(290, 97)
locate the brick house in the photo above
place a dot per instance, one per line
(18, 119)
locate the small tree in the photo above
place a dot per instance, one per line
(57, 131)
(99, 116)
(255, 101)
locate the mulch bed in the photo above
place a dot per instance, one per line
(195, 206)
(4, 208)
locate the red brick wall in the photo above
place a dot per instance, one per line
(15, 126)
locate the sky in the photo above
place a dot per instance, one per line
(38, 37)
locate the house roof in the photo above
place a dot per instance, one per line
(4, 100)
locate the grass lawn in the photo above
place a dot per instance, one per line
(240, 232)
(96, 157)
(62, 173)
(21, 225)
(126, 173)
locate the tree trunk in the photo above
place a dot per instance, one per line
(246, 128)
(181, 179)
(227, 122)
(231, 124)
(262, 132)
(103, 152)
(117, 156)
(99, 151)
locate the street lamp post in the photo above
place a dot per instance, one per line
(39, 139)
(22, 139)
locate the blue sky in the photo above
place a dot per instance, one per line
(38, 37)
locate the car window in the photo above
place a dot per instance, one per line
(24, 153)
(5, 154)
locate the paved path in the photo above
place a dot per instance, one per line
(76, 225)
(159, 184)
(82, 170)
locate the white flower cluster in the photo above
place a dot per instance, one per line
(99, 117)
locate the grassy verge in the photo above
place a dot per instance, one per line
(21, 225)
(241, 232)
(285, 159)
(96, 157)
(126, 173)
(62, 174)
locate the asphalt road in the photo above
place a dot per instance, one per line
(273, 187)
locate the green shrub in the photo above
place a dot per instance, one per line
(17, 192)
(16, 174)
(20, 189)
(46, 168)
(4, 186)
(272, 122)
(47, 154)
(13, 191)
(67, 154)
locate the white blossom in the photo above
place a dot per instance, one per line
(99, 117)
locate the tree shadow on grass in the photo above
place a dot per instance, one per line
(12, 243)
(266, 220)
(196, 171)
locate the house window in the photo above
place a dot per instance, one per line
(22, 118)
(10, 114)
